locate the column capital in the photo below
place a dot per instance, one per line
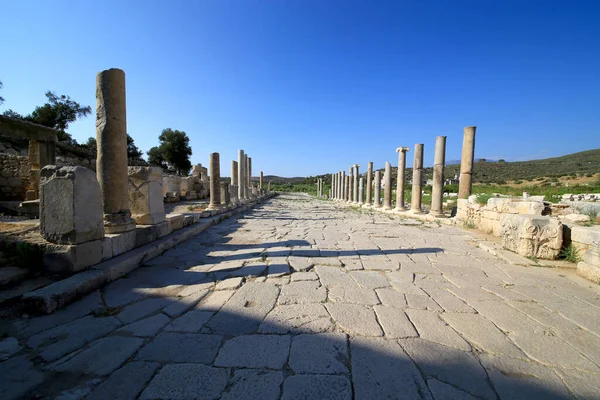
(403, 149)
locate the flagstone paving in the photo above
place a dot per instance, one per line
(301, 299)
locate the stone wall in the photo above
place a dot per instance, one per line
(14, 176)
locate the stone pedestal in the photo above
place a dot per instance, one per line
(111, 160)
(437, 192)
(377, 200)
(417, 184)
(145, 195)
(401, 180)
(369, 199)
(387, 194)
(215, 182)
(241, 174)
(361, 191)
(70, 205)
(466, 163)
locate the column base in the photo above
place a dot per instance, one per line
(437, 214)
(400, 208)
(214, 207)
(415, 212)
(387, 208)
(118, 222)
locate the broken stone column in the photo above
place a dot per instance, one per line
(111, 160)
(224, 193)
(400, 206)
(437, 191)
(361, 191)
(369, 199)
(70, 205)
(145, 195)
(241, 175)
(215, 182)
(387, 194)
(417, 184)
(466, 163)
(377, 200)
(355, 191)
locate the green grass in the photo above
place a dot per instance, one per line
(469, 224)
(483, 198)
(594, 215)
(569, 253)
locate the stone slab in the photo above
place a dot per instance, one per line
(125, 383)
(171, 347)
(255, 351)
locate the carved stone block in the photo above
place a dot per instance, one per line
(532, 235)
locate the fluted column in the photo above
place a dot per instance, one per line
(400, 206)
(369, 199)
(387, 195)
(241, 175)
(215, 182)
(377, 199)
(466, 163)
(111, 160)
(417, 185)
(361, 191)
(437, 191)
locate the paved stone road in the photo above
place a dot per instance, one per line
(303, 299)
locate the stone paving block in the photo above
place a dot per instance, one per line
(249, 271)
(230, 284)
(351, 263)
(421, 302)
(353, 294)
(190, 322)
(400, 276)
(431, 327)
(370, 279)
(297, 318)
(448, 301)
(246, 309)
(394, 322)
(279, 281)
(254, 384)
(125, 383)
(255, 351)
(583, 385)
(145, 328)
(187, 381)
(381, 369)
(278, 269)
(306, 253)
(102, 357)
(17, 377)
(214, 301)
(378, 262)
(355, 319)
(391, 297)
(450, 365)
(181, 305)
(304, 276)
(407, 288)
(302, 292)
(443, 391)
(332, 276)
(301, 263)
(171, 347)
(300, 387)
(8, 347)
(325, 353)
(69, 337)
(142, 309)
(332, 261)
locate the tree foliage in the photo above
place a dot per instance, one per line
(132, 150)
(173, 152)
(1, 98)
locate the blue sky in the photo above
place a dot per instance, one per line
(310, 87)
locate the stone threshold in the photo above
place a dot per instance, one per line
(58, 294)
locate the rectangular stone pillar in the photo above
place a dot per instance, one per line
(145, 195)
(466, 163)
(241, 174)
(417, 184)
(377, 200)
(437, 191)
(215, 182)
(111, 160)
(401, 180)
(387, 196)
(369, 199)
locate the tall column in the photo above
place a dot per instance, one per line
(215, 182)
(361, 191)
(241, 174)
(269, 186)
(224, 193)
(348, 189)
(400, 206)
(377, 200)
(466, 163)
(260, 182)
(250, 185)
(387, 194)
(332, 190)
(437, 191)
(355, 199)
(343, 186)
(417, 184)
(234, 181)
(340, 187)
(111, 160)
(369, 200)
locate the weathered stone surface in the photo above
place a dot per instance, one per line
(391, 297)
(325, 353)
(190, 322)
(254, 384)
(145, 195)
(145, 328)
(304, 276)
(394, 322)
(300, 387)
(443, 391)
(352, 294)
(230, 284)
(187, 381)
(355, 319)
(8, 347)
(70, 205)
(169, 347)
(17, 377)
(255, 351)
(125, 383)
(297, 318)
(370, 279)
(302, 292)
(301, 263)
(532, 236)
(142, 309)
(432, 328)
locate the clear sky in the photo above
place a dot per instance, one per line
(311, 86)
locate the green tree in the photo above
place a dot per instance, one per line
(173, 152)
(132, 150)
(91, 144)
(1, 98)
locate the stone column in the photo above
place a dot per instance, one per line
(466, 163)
(361, 191)
(215, 182)
(415, 205)
(348, 189)
(250, 173)
(111, 160)
(355, 199)
(343, 186)
(260, 182)
(269, 186)
(224, 193)
(332, 190)
(241, 175)
(369, 199)
(234, 181)
(387, 194)
(377, 200)
(340, 185)
(437, 191)
(400, 206)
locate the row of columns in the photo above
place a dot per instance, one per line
(319, 187)
(351, 188)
